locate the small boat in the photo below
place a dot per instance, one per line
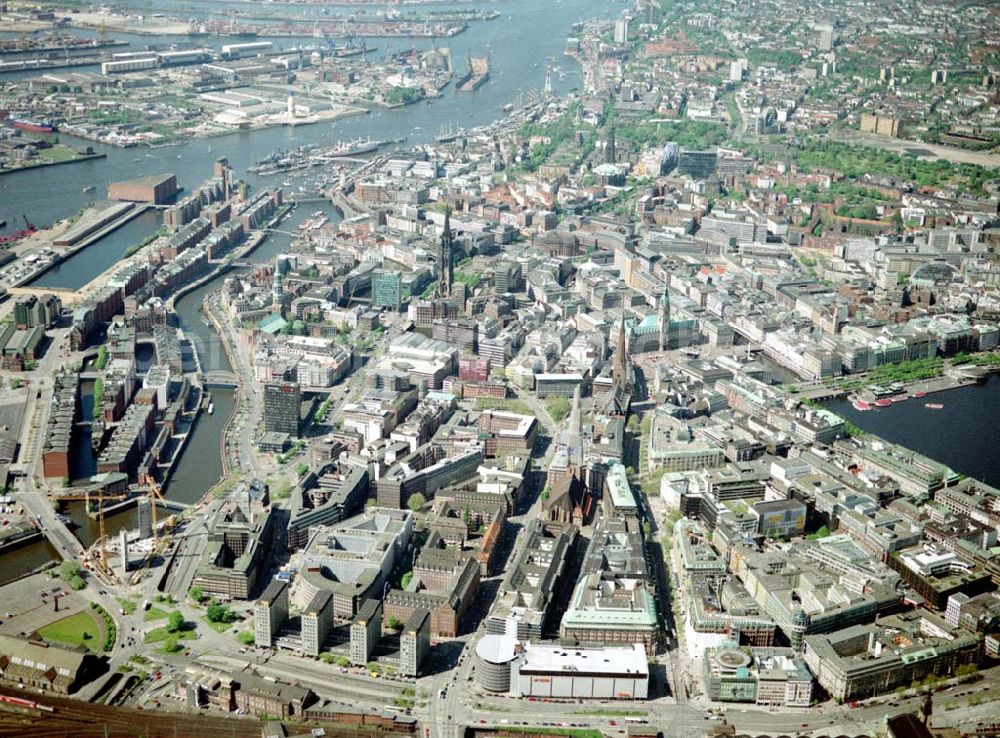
(933, 405)
(861, 405)
(883, 403)
(89, 188)
(900, 398)
(919, 394)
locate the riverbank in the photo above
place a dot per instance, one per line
(919, 387)
(51, 163)
(959, 430)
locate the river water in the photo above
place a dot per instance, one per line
(518, 44)
(964, 434)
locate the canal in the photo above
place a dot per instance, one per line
(98, 257)
(21, 560)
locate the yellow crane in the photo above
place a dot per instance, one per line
(102, 538)
(155, 495)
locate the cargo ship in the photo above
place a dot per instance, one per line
(34, 126)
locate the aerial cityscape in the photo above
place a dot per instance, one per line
(483, 368)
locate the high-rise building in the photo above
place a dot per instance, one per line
(621, 31)
(366, 628)
(414, 642)
(824, 37)
(387, 289)
(144, 517)
(123, 546)
(316, 621)
(270, 612)
(281, 407)
(697, 164)
(507, 277)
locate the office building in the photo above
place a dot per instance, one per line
(621, 31)
(325, 499)
(523, 603)
(414, 642)
(317, 619)
(387, 289)
(352, 559)
(238, 541)
(270, 613)
(696, 164)
(282, 401)
(865, 661)
(764, 676)
(366, 629)
(444, 583)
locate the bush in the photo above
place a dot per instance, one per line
(175, 622)
(197, 594)
(220, 614)
(69, 569)
(77, 583)
(245, 637)
(558, 408)
(110, 630)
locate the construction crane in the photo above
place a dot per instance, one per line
(155, 495)
(102, 539)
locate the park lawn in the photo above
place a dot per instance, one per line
(70, 631)
(162, 634)
(58, 153)
(154, 613)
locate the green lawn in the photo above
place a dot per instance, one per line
(58, 153)
(154, 613)
(71, 631)
(162, 634)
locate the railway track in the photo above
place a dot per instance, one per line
(74, 719)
